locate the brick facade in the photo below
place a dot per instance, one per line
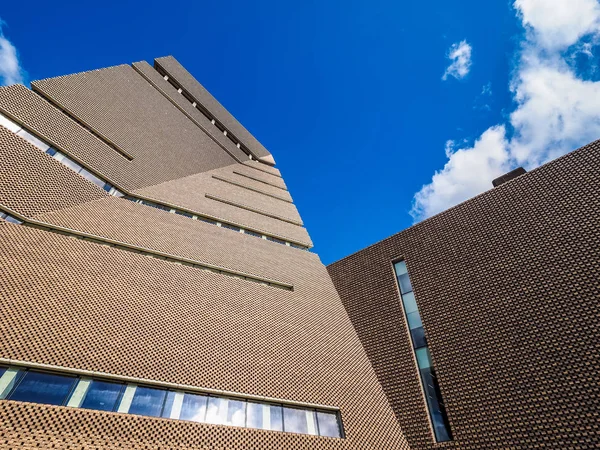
(507, 286)
(83, 304)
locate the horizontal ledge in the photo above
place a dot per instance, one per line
(147, 251)
(164, 384)
(258, 179)
(216, 218)
(235, 183)
(188, 115)
(254, 210)
(262, 170)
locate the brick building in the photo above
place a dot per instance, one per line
(157, 290)
(482, 322)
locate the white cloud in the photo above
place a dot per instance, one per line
(460, 55)
(487, 158)
(557, 111)
(10, 68)
(558, 24)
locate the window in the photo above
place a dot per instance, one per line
(223, 411)
(429, 382)
(34, 386)
(230, 227)
(264, 416)
(9, 218)
(40, 387)
(102, 395)
(193, 407)
(301, 421)
(328, 424)
(147, 401)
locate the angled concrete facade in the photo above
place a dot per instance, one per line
(147, 239)
(507, 285)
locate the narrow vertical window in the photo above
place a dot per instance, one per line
(431, 387)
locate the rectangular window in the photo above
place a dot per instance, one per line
(194, 407)
(35, 386)
(147, 401)
(301, 421)
(223, 411)
(264, 416)
(329, 424)
(103, 395)
(40, 387)
(429, 382)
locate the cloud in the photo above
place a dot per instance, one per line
(559, 24)
(10, 68)
(557, 110)
(460, 55)
(483, 100)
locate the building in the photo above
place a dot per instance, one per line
(482, 322)
(156, 288)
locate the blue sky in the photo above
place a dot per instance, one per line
(350, 96)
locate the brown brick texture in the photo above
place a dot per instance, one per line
(507, 286)
(78, 304)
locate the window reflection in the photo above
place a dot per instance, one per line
(102, 395)
(299, 421)
(264, 416)
(147, 401)
(223, 411)
(39, 387)
(328, 424)
(194, 407)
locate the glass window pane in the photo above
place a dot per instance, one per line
(170, 401)
(404, 283)
(223, 411)
(2, 370)
(276, 418)
(299, 421)
(33, 140)
(328, 424)
(264, 416)
(194, 407)
(437, 410)
(409, 302)
(38, 387)
(51, 151)
(147, 401)
(400, 268)
(414, 320)
(183, 213)
(254, 412)
(102, 395)
(418, 337)
(236, 413)
(58, 156)
(423, 359)
(91, 177)
(212, 222)
(7, 123)
(71, 164)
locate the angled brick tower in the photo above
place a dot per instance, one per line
(156, 284)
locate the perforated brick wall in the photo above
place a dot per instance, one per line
(32, 183)
(172, 67)
(190, 192)
(507, 286)
(78, 304)
(121, 105)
